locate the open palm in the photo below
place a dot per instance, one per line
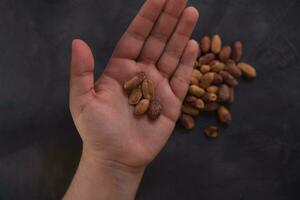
(157, 43)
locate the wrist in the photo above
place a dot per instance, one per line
(100, 159)
(99, 162)
(99, 178)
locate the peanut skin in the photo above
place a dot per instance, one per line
(155, 108)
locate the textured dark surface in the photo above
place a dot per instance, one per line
(258, 157)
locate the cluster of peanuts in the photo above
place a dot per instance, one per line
(215, 75)
(141, 95)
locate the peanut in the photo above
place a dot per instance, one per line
(216, 44)
(224, 115)
(247, 70)
(218, 79)
(229, 79)
(210, 97)
(196, 91)
(205, 69)
(237, 51)
(148, 89)
(194, 81)
(142, 107)
(212, 89)
(187, 121)
(211, 132)
(135, 96)
(195, 102)
(233, 70)
(207, 79)
(205, 44)
(199, 104)
(206, 59)
(197, 74)
(155, 108)
(217, 66)
(225, 53)
(134, 82)
(190, 110)
(224, 93)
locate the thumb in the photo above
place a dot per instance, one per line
(81, 71)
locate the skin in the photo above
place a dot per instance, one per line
(117, 146)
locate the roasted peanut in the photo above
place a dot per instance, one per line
(155, 108)
(225, 53)
(135, 96)
(211, 131)
(218, 79)
(199, 104)
(233, 70)
(217, 66)
(148, 89)
(142, 107)
(205, 69)
(195, 102)
(229, 79)
(224, 93)
(224, 115)
(190, 110)
(187, 121)
(247, 70)
(196, 91)
(205, 44)
(210, 97)
(206, 59)
(197, 74)
(194, 81)
(216, 44)
(207, 79)
(134, 82)
(237, 51)
(212, 89)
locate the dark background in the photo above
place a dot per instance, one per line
(258, 157)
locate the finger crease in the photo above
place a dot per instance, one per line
(164, 74)
(183, 36)
(136, 35)
(174, 53)
(172, 16)
(160, 36)
(145, 17)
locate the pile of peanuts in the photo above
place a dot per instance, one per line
(214, 77)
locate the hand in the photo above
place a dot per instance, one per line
(157, 43)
